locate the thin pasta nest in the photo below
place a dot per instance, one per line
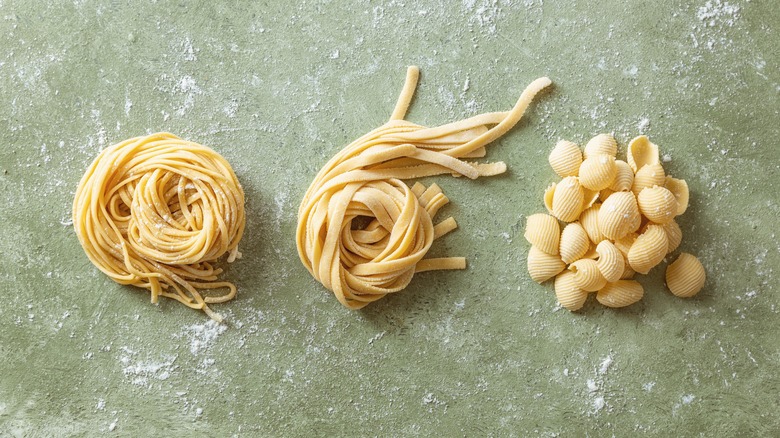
(156, 212)
(362, 232)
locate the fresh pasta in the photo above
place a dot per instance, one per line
(543, 232)
(156, 212)
(362, 232)
(618, 220)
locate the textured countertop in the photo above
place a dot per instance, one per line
(277, 89)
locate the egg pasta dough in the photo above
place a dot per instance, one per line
(155, 212)
(362, 232)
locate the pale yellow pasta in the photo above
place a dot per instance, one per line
(574, 242)
(679, 189)
(674, 234)
(568, 199)
(648, 250)
(543, 266)
(565, 158)
(624, 243)
(628, 273)
(543, 232)
(156, 212)
(620, 293)
(657, 204)
(598, 171)
(569, 295)
(605, 193)
(591, 252)
(648, 176)
(548, 197)
(641, 152)
(600, 144)
(618, 215)
(590, 197)
(610, 261)
(362, 231)
(587, 275)
(589, 219)
(624, 177)
(685, 276)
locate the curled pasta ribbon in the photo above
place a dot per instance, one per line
(156, 211)
(362, 232)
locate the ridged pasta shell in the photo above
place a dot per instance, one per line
(598, 171)
(624, 243)
(648, 250)
(600, 144)
(567, 292)
(548, 197)
(590, 197)
(543, 232)
(610, 262)
(605, 193)
(621, 293)
(648, 176)
(574, 242)
(641, 152)
(657, 204)
(589, 219)
(543, 266)
(685, 276)
(624, 177)
(591, 252)
(679, 189)
(587, 275)
(618, 215)
(568, 199)
(565, 158)
(674, 234)
(628, 273)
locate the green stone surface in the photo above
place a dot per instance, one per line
(279, 87)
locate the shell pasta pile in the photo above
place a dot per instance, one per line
(362, 232)
(156, 211)
(618, 221)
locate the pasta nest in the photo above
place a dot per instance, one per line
(156, 212)
(362, 232)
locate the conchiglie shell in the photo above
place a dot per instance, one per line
(567, 199)
(679, 189)
(598, 171)
(548, 197)
(618, 215)
(587, 275)
(624, 177)
(657, 204)
(685, 276)
(621, 293)
(648, 250)
(590, 197)
(628, 273)
(591, 252)
(674, 234)
(600, 144)
(574, 242)
(565, 158)
(648, 176)
(543, 266)
(543, 232)
(641, 152)
(567, 292)
(589, 219)
(605, 193)
(610, 262)
(624, 243)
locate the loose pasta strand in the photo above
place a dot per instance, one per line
(363, 182)
(155, 211)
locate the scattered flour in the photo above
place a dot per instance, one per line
(718, 13)
(202, 336)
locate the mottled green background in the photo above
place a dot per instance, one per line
(277, 88)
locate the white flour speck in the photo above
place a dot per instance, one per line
(202, 336)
